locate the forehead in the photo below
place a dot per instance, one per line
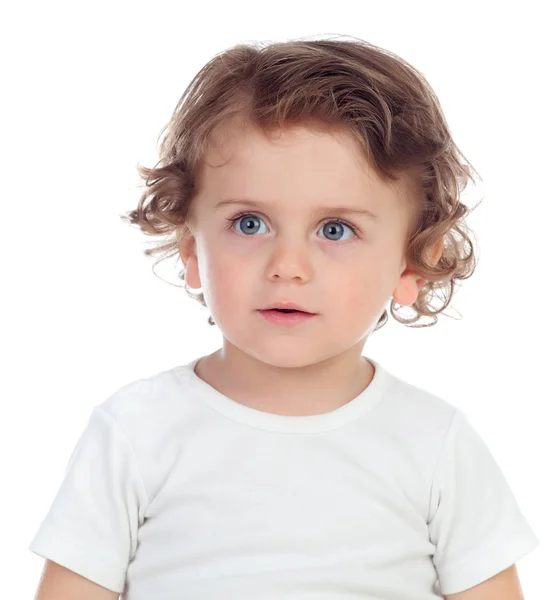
(308, 165)
(246, 148)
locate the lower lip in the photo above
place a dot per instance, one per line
(279, 318)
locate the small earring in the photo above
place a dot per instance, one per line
(195, 291)
(192, 290)
(182, 275)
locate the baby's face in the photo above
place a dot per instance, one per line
(293, 244)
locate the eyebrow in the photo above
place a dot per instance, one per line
(323, 211)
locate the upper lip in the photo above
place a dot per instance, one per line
(287, 305)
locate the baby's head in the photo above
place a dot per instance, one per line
(321, 173)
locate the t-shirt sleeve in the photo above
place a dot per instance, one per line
(474, 522)
(92, 525)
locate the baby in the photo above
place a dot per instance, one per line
(303, 186)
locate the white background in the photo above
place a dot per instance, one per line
(86, 90)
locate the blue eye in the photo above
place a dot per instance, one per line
(248, 223)
(332, 227)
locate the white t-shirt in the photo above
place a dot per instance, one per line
(175, 491)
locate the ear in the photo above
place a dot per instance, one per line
(188, 254)
(410, 283)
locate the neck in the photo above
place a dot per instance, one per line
(315, 388)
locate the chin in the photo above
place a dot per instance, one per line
(289, 362)
(290, 356)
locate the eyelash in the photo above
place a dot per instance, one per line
(233, 220)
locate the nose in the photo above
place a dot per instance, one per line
(289, 261)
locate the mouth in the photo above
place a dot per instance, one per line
(286, 316)
(286, 308)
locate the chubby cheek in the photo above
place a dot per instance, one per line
(362, 292)
(227, 287)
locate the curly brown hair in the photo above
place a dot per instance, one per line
(381, 99)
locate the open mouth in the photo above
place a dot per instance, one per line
(286, 316)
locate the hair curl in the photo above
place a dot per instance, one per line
(381, 99)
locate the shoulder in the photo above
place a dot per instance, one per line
(148, 401)
(418, 408)
(152, 416)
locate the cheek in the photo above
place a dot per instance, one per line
(362, 289)
(231, 265)
(226, 278)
